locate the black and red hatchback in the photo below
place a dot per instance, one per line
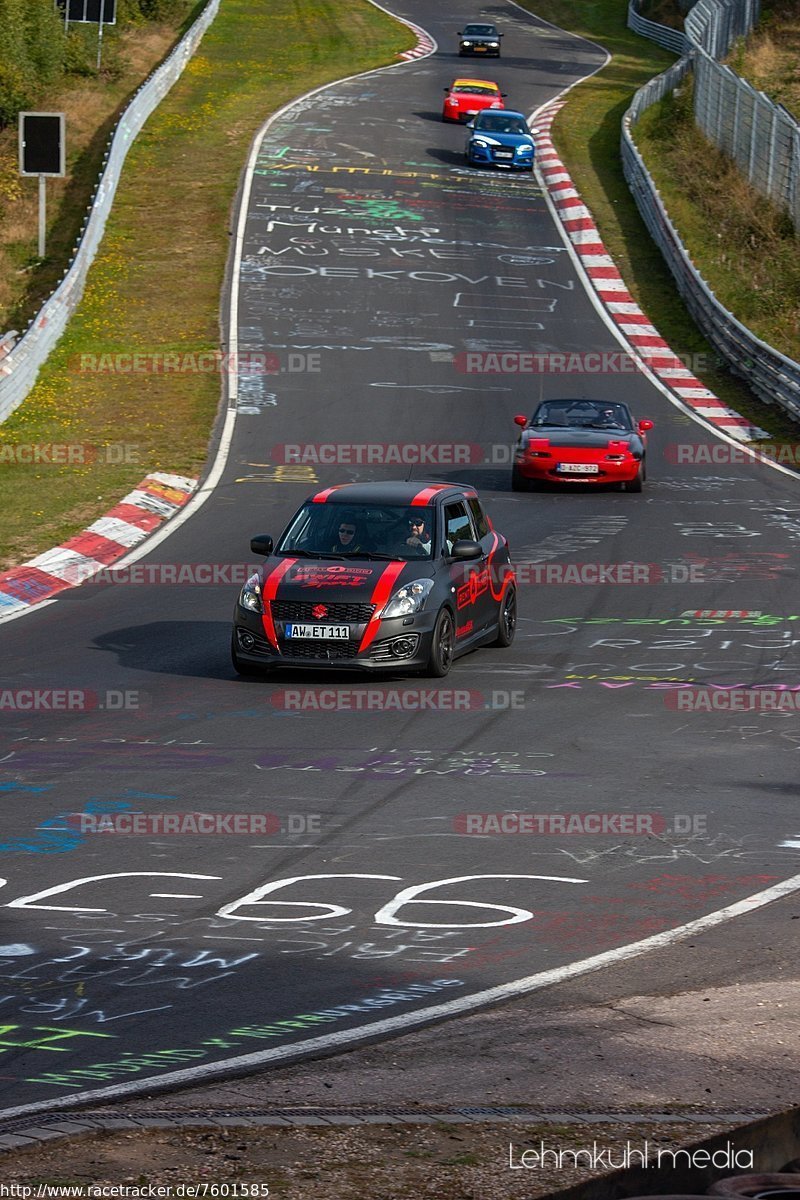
(399, 576)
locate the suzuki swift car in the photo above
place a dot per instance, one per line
(581, 441)
(500, 139)
(401, 576)
(466, 97)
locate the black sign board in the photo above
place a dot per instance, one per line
(91, 11)
(42, 149)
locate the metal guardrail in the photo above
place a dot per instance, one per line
(20, 367)
(771, 375)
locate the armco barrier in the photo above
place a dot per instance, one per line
(771, 375)
(19, 367)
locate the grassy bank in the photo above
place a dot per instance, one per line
(155, 285)
(587, 135)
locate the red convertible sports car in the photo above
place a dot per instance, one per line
(580, 441)
(466, 97)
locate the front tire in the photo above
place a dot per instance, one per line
(239, 665)
(518, 481)
(507, 624)
(637, 483)
(442, 646)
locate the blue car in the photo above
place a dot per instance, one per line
(500, 139)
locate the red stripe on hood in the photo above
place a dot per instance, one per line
(268, 594)
(380, 594)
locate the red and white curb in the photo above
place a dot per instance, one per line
(425, 43)
(613, 293)
(157, 498)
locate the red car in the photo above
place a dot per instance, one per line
(466, 97)
(580, 441)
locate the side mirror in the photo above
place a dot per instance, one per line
(470, 124)
(465, 550)
(645, 425)
(504, 94)
(261, 545)
(521, 421)
(447, 89)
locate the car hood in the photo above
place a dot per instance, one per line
(590, 438)
(503, 139)
(319, 581)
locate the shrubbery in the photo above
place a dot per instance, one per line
(37, 53)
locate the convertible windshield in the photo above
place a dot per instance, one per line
(587, 414)
(496, 122)
(366, 531)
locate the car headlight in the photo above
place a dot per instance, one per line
(250, 595)
(524, 149)
(480, 142)
(466, 44)
(493, 45)
(408, 599)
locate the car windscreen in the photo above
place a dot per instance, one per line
(585, 414)
(479, 31)
(475, 89)
(493, 122)
(395, 532)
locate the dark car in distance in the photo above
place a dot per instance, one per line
(581, 441)
(401, 576)
(479, 37)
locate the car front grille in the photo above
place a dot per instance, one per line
(323, 651)
(302, 610)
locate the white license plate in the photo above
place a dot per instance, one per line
(579, 468)
(503, 154)
(320, 633)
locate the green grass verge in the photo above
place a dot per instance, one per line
(587, 136)
(155, 285)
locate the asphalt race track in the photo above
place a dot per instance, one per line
(387, 850)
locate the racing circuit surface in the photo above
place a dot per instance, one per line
(364, 873)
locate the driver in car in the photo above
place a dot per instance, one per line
(419, 538)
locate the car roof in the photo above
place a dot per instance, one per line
(504, 112)
(479, 25)
(407, 492)
(475, 83)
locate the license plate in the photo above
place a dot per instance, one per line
(503, 154)
(579, 468)
(479, 49)
(320, 633)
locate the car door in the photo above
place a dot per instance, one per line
(469, 581)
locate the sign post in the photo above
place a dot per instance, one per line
(42, 152)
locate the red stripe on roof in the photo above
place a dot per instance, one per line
(429, 492)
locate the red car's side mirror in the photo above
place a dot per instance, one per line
(645, 425)
(521, 421)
